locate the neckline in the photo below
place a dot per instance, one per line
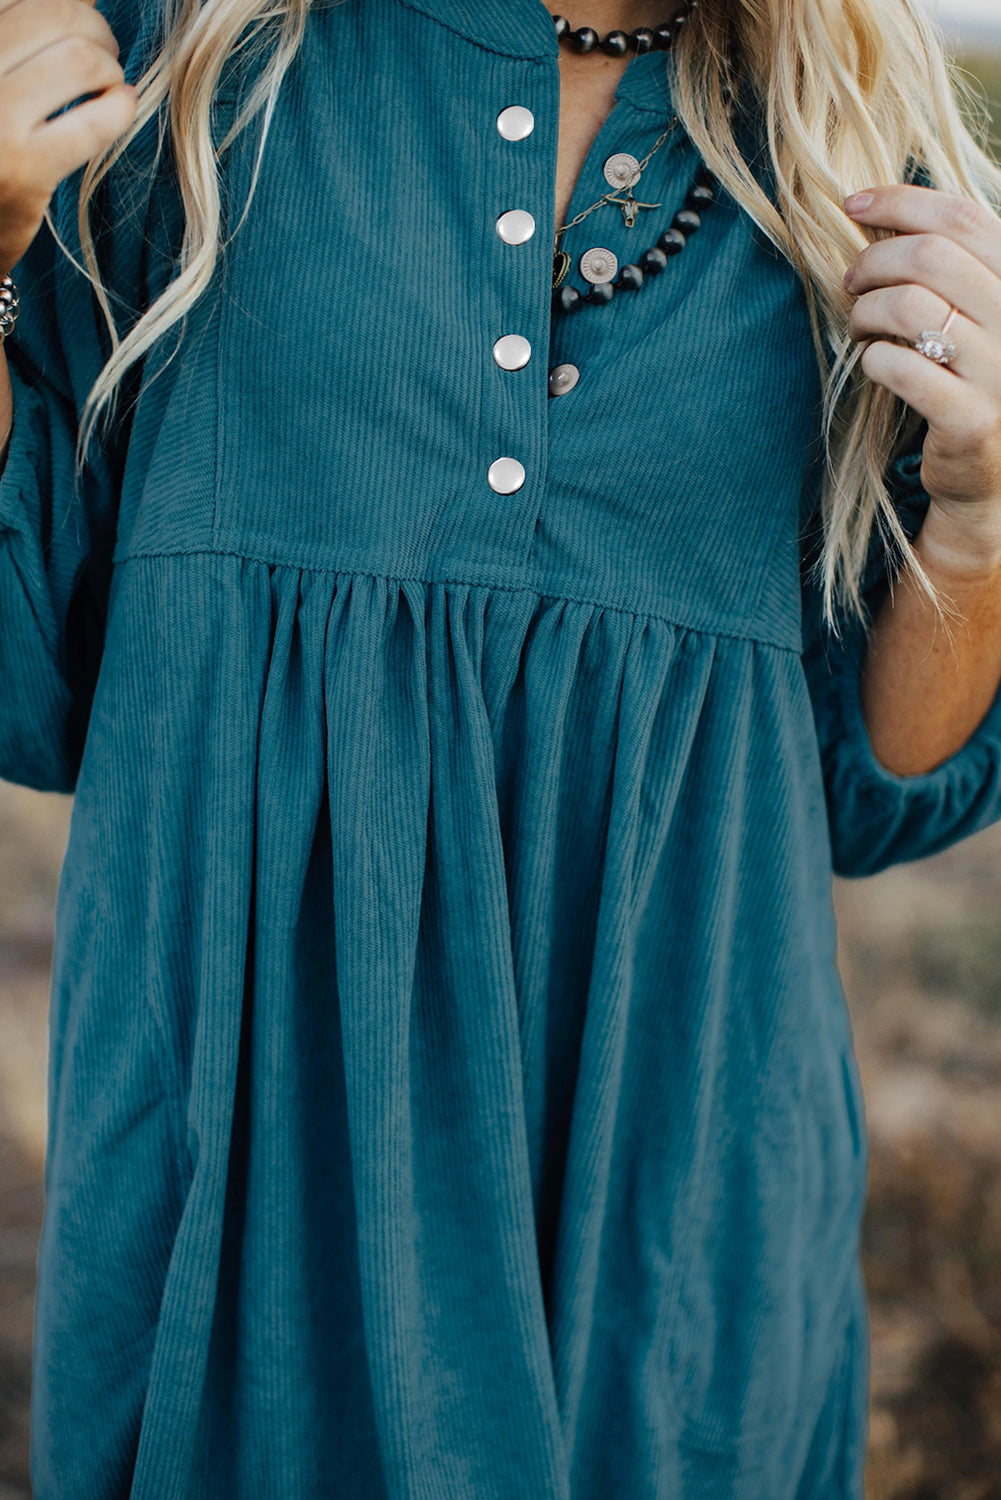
(516, 28)
(524, 28)
(646, 83)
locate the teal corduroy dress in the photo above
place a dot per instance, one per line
(451, 1093)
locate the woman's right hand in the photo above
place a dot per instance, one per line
(52, 52)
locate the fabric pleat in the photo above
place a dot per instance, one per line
(444, 1138)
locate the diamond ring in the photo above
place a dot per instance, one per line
(933, 343)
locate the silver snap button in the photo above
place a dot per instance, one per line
(563, 378)
(516, 226)
(515, 122)
(512, 351)
(598, 264)
(621, 170)
(505, 475)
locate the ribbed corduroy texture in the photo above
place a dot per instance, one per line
(451, 1089)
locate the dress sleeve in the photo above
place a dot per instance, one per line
(57, 537)
(876, 817)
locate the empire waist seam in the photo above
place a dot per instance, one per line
(545, 586)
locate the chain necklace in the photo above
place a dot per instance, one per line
(629, 204)
(599, 266)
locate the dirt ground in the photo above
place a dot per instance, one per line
(921, 956)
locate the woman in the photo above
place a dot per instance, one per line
(455, 644)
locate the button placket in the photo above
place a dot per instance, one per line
(512, 351)
(621, 170)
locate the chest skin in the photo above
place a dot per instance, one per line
(587, 96)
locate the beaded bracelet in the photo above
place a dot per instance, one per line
(8, 306)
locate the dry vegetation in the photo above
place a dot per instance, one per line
(33, 831)
(921, 957)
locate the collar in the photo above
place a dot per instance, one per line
(524, 28)
(646, 83)
(516, 28)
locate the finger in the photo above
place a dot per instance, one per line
(934, 391)
(10, 7)
(962, 426)
(919, 210)
(959, 455)
(14, 5)
(940, 265)
(907, 311)
(65, 71)
(71, 139)
(28, 32)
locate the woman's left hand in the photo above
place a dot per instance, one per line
(946, 252)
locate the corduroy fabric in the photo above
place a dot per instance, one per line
(451, 1088)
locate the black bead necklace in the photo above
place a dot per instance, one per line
(598, 265)
(616, 43)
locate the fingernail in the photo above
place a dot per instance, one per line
(858, 202)
(848, 276)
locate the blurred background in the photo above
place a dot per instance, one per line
(921, 958)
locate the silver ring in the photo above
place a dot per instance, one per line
(933, 344)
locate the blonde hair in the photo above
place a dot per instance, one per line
(852, 93)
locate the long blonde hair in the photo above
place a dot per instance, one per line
(852, 93)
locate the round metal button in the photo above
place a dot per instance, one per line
(516, 226)
(515, 122)
(622, 170)
(598, 264)
(512, 351)
(563, 378)
(505, 475)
